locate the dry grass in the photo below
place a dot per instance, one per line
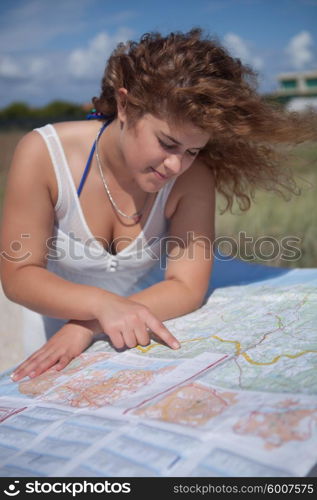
(271, 216)
(8, 142)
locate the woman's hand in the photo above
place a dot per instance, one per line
(70, 341)
(124, 321)
(128, 323)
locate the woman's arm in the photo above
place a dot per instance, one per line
(190, 250)
(27, 225)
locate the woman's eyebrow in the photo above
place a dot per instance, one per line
(176, 142)
(171, 138)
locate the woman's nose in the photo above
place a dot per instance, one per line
(173, 163)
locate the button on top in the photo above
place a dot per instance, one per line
(113, 265)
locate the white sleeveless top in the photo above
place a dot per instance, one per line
(75, 255)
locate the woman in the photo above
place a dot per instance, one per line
(178, 119)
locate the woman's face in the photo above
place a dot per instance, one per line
(155, 150)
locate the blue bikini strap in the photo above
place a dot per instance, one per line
(88, 164)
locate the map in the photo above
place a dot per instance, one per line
(97, 381)
(279, 424)
(239, 398)
(191, 404)
(271, 333)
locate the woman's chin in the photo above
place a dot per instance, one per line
(152, 188)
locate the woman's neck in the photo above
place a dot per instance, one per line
(113, 163)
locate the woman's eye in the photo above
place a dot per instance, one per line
(172, 146)
(166, 146)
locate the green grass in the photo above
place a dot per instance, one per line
(269, 216)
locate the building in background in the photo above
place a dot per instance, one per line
(298, 90)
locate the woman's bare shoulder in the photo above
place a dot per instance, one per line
(72, 131)
(30, 148)
(33, 143)
(32, 158)
(196, 180)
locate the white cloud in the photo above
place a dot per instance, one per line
(38, 66)
(38, 79)
(9, 69)
(33, 23)
(45, 49)
(24, 68)
(300, 50)
(88, 63)
(241, 49)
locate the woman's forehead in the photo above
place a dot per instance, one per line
(178, 129)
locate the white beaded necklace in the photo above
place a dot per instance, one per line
(137, 215)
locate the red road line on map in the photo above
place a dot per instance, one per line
(175, 385)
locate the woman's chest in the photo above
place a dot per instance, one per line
(99, 215)
(114, 231)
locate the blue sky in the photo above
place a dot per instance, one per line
(58, 49)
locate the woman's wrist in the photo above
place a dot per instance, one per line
(99, 302)
(91, 326)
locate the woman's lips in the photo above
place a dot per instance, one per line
(158, 175)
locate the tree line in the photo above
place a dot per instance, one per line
(21, 115)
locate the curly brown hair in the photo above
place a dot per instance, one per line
(191, 77)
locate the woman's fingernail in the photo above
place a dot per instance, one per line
(176, 345)
(32, 374)
(12, 376)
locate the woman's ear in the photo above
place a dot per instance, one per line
(122, 104)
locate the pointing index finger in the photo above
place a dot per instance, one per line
(163, 333)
